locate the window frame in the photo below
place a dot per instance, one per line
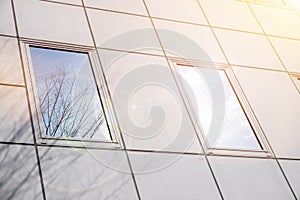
(101, 86)
(296, 79)
(248, 111)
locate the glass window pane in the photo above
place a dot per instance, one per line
(68, 97)
(216, 105)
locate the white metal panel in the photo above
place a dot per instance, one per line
(277, 21)
(230, 14)
(123, 32)
(148, 105)
(14, 116)
(248, 49)
(291, 169)
(19, 175)
(7, 25)
(70, 173)
(182, 10)
(75, 2)
(250, 178)
(130, 6)
(173, 177)
(199, 37)
(51, 21)
(288, 51)
(275, 101)
(10, 64)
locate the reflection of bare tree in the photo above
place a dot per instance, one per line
(19, 177)
(67, 111)
(68, 108)
(18, 180)
(63, 171)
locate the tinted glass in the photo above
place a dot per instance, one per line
(68, 97)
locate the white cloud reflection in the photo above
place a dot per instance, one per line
(236, 132)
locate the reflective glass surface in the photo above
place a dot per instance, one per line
(218, 109)
(68, 97)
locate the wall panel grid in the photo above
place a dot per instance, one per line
(263, 56)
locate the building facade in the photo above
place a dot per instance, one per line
(151, 100)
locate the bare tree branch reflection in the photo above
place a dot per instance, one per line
(68, 109)
(19, 177)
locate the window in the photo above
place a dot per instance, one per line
(67, 96)
(218, 110)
